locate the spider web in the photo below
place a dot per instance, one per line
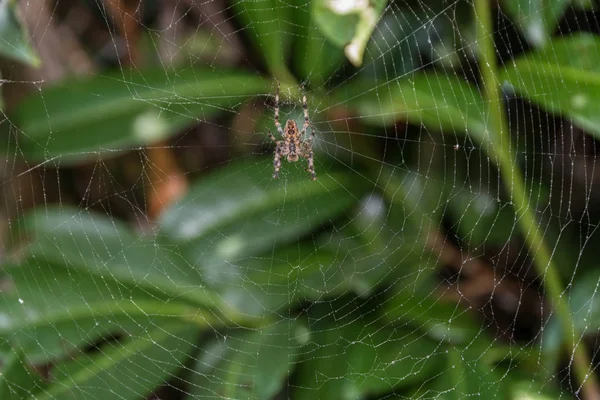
(402, 272)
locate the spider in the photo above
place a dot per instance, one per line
(293, 146)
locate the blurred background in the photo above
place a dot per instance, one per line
(447, 249)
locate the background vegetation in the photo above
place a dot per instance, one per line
(445, 251)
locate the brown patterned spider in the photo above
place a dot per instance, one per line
(293, 146)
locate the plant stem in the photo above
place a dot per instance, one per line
(499, 148)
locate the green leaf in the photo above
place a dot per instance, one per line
(480, 218)
(49, 311)
(241, 211)
(82, 119)
(2, 113)
(14, 42)
(424, 310)
(102, 247)
(17, 381)
(270, 25)
(130, 370)
(262, 285)
(465, 376)
(353, 358)
(378, 247)
(401, 56)
(316, 57)
(537, 19)
(532, 390)
(585, 5)
(562, 78)
(248, 365)
(349, 24)
(584, 302)
(439, 102)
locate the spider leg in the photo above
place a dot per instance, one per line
(305, 109)
(277, 124)
(272, 137)
(311, 165)
(277, 161)
(307, 123)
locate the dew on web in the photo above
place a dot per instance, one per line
(447, 248)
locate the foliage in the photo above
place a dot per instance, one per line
(259, 262)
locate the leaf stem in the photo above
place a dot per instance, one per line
(500, 149)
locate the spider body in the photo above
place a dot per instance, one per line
(293, 146)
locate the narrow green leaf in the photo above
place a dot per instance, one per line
(102, 247)
(14, 42)
(537, 19)
(126, 371)
(584, 302)
(479, 218)
(400, 56)
(241, 211)
(439, 102)
(349, 24)
(562, 78)
(49, 311)
(82, 119)
(380, 246)
(17, 381)
(262, 285)
(2, 113)
(465, 376)
(585, 5)
(248, 365)
(354, 358)
(424, 310)
(521, 388)
(270, 25)
(316, 57)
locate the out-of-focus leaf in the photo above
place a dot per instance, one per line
(316, 57)
(14, 42)
(262, 285)
(17, 381)
(130, 370)
(394, 49)
(424, 310)
(101, 247)
(529, 389)
(466, 376)
(53, 221)
(417, 201)
(562, 78)
(480, 218)
(81, 119)
(353, 358)
(585, 5)
(49, 311)
(377, 248)
(438, 101)
(248, 365)
(270, 25)
(240, 211)
(2, 114)
(537, 19)
(348, 24)
(584, 301)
